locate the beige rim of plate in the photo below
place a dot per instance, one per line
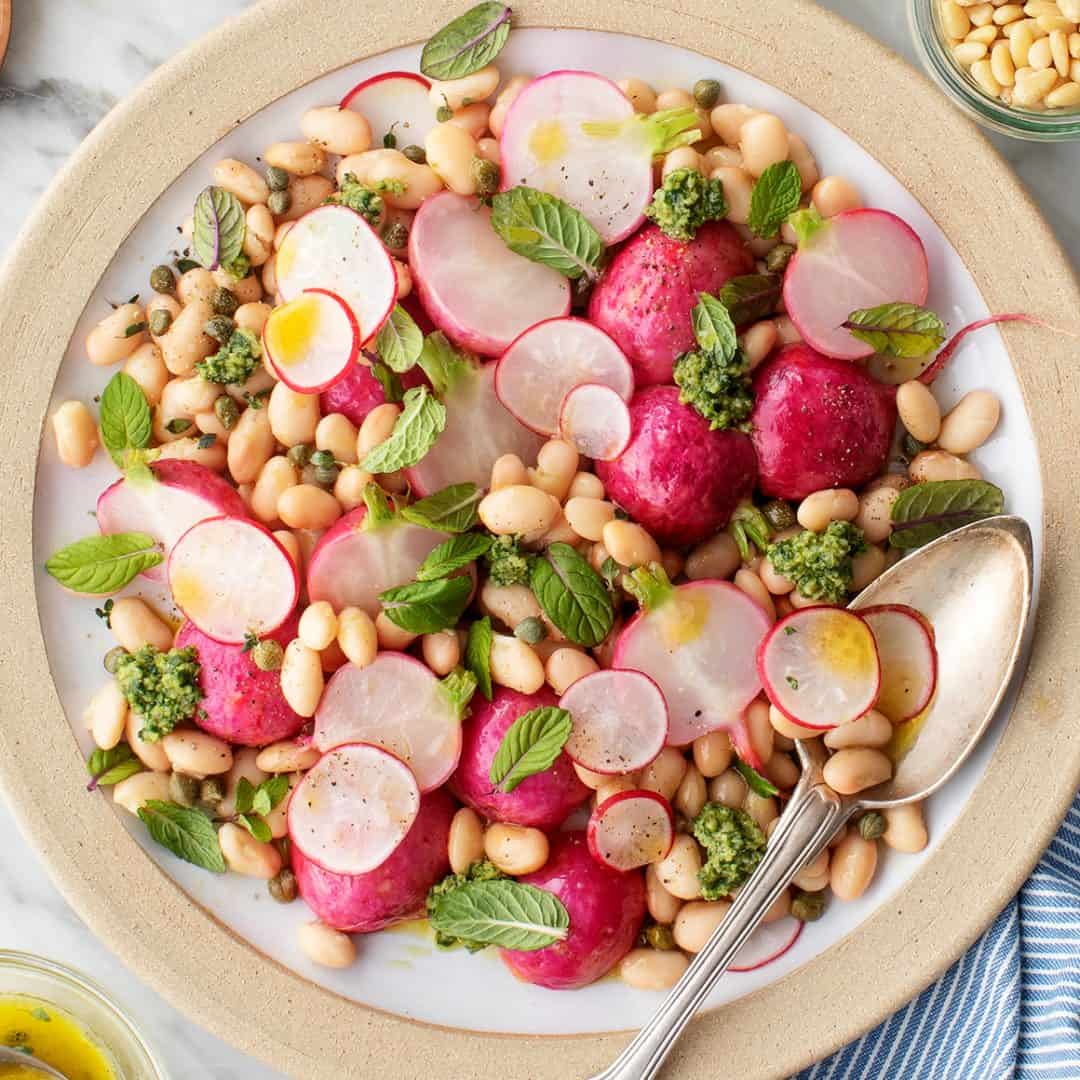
(265, 1009)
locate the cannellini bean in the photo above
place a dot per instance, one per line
(242, 180)
(472, 118)
(664, 773)
(519, 509)
(678, 873)
(970, 422)
(727, 121)
(1032, 89)
(758, 341)
(189, 448)
(289, 542)
(250, 445)
(76, 434)
(184, 398)
(376, 428)
(629, 544)
(258, 234)
(763, 140)
(776, 583)
(404, 278)
(454, 93)
(286, 756)
(833, 194)
(905, 829)
(817, 510)
(515, 665)
(349, 486)
(515, 849)
(717, 156)
(642, 96)
(803, 160)
(652, 969)
(955, 20)
(737, 184)
(590, 779)
(245, 767)
(691, 793)
(390, 635)
(759, 730)
(305, 193)
(117, 336)
(450, 151)
(318, 625)
(506, 98)
(613, 785)
(138, 790)
(875, 512)
(185, 343)
(940, 465)
(968, 52)
(1066, 96)
(325, 946)
(195, 284)
(135, 624)
(508, 471)
(298, 158)
(106, 715)
(752, 585)
(510, 604)
(919, 410)
(662, 905)
(870, 729)
(852, 865)
(728, 788)
(856, 768)
(148, 369)
(695, 923)
(565, 666)
(488, 149)
(788, 728)
(197, 753)
(306, 506)
(683, 157)
(441, 651)
(301, 678)
(151, 754)
(374, 166)
(712, 753)
(252, 316)
(1001, 64)
(782, 771)
(336, 130)
(717, 557)
(465, 844)
(867, 566)
(246, 855)
(357, 636)
(277, 475)
(293, 417)
(556, 466)
(762, 808)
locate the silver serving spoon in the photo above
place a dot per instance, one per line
(27, 1061)
(974, 585)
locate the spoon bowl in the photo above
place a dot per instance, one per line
(27, 1061)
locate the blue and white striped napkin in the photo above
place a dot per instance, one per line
(1009, 1007)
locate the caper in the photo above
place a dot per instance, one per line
(872, 825)
(113, 658)
(326, 475)
(486, 174)
(283, 887)
(160, 321)
(777, 259)
(531, 630)
(779, 514)
(912, 446)
(660, 937)
(177, 426)
(184, 789)
(322, 459)
(267, 655)
(227, 412)
(276, 179)
(395, 235)
(416, 154)
(299, 455)
(219, 327)
(212, 791)
(808, 906)
(162, 279)
(279, 202)
(444, 113)
(224, 301)
(706, 92)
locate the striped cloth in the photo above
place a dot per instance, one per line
(1009, 1007)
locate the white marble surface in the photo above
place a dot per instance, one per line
(69, 61)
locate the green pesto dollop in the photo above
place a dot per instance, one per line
(734, 845)
(161, 687)
(235, 361)
(819, 563)
(718, 387)
(507, 563)
(684, 202)
(482, 870)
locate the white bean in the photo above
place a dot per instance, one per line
(678, 873)
(821, 508)
(197, 753)
(325, 946)
(919, 410)
(117, 336)
(106, 715)
(246, 855)
(450, 151)
(357, 636)
(465, 844)
(515, 665)
(454, 93)
(241, 180)
(652, 969)
(301, 678)
(515, 849)
(695, 923)
(565, 666)
(76, 434)
(519, 509)
(286, 756)
(905, 829)
(856, 768)
(340, 131)
(135, 624)
(138, 790)
(970, 422)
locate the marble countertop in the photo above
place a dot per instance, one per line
(69, 62)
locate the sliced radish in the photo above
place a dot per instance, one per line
(543, 145)
(820, 667)
(857, 259)
(596, 420)
(397, 101)
(905, 645)
(353, 808)
(471, 284)
(767, 943)
(479, 430)
(232, 578)
(396, 703)
(335, 249)
(181, 494)
(312, 342)
(698, 645)
(546, 362)
(631, 829)
(620, 721)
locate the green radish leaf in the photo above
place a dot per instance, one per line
(452, 555)
(573, 595)
(245, 795)
(755, 781)
(125, 417)
(400, 341)
(460, 687)
(714, 330)
(649, 585)
(775, 196)
(380, 510)
(547, 230)
(468, 43)
(502, 912)
(451, 510)
(531, 745)
(108, 767)
(924, 512)
(751, 297)
(188, 834)
(218, 233)
(99, 565)
(478, 655)
(905, 330)
(255, 825)
(807, 224)
(426, 607)
(658, 133)
(393, 391)
(421, 422)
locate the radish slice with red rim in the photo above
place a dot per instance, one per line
(620, 721)
(767, 943)
(905, 645)
(546, 362)
(396, 703)
(333, 248)
(631, 829)
(596, 421)
(312, 341)
(353, 808)
(394, 101)
(820, 667)
(232, 578)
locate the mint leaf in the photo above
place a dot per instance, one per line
(546, 230)
(255, 825)
(775, 196)
(452, 555)
(108, 767)
(426, 607)
(399, 341)
(714, 330)
(899, 329)
(393, 391)
(478, 655)
(751, 297)
(468, 43)
(442, 363)
(572, 595)
(807, 224)
(421, 422)
(754, 780)
(451, 510)
(218, 234)
(99, 565)
(531, 745)
(188, 834)
(125, 417)
(245, 795)
(270, 793)
(924, 512)
(502, 912)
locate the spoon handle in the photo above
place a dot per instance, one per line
(809, 822)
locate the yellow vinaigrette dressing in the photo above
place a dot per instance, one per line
(52, 1036)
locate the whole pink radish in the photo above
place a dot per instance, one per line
(606, 908)
(393, 891)
(646, 295)
(543, 800)
(818, 423)
(677, 477)
(241, 703)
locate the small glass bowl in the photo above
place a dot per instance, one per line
(32, 976)
(1048, 125)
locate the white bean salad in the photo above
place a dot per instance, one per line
(510, 448)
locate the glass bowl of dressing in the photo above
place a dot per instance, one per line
(66, 1021)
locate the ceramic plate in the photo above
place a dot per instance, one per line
(400, 974)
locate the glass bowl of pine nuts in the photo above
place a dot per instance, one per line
(1012, 65)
